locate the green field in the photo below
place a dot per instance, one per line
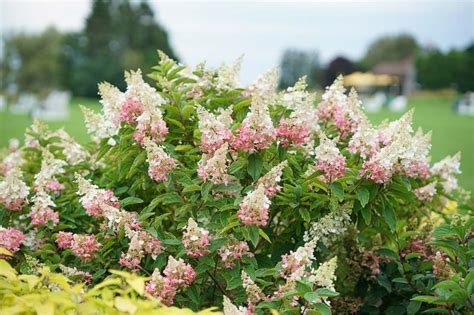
(451, 132)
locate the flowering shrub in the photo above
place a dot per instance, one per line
(242, 198)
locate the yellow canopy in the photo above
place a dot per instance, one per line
(369, 79)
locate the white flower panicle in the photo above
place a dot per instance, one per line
(265, 86)
(13, 190)
(364, 140)
(112, 100)
(231, 309)
(325, 275)
(331, 226)
(228, 75)
(335, 93)
(215, 129)
(73, 151)
(214, 168)
(97, 125)
(271, 180)
(414, 158)
(254, 293)
(329, 159)
(137, 87)
(396, 130)
(50, 167)
(447, 169)
(12, 160)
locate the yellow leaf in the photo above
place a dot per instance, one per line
(46, 308)
(6, 270)
(31, 280)
(138, 284)
(125, 305)
(4, 251)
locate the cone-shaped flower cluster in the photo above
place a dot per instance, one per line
(254, 207)
(159, 162)
(13, 190)
(215, 129)
(214, 168)
(177, 275)
(195, 239)
(329, 159)
(82, 245)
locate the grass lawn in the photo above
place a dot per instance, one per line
(451, 132)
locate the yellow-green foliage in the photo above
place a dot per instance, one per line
(52, 293)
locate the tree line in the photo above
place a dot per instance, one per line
(117, 35)
(124, 34)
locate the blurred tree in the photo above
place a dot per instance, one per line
(295, 64)
(437, 70)
(30, 62)
(117, 35)
(339, 65)
(390, 48)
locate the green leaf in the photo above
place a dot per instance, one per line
(305, 214)
(190, 188)
(390, 218)
(264, 235)
(323, 309)
(413, 307)
(326, 292)
(176, 123)
(424, 298)
(337, 190)
(312, 297)
(130, 201)
(255, 166)
(363, 196)
(366, 215)
(237, 166)
(183, 148)
(253, 233)
(447, 284)
(414, 255)
(205, 190)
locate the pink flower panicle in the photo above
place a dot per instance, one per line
(272, 179)
(291, 133)
(43, 216)
(214, 168)
(177, 276)
(10, 239)
(141, 243)
(195, 239)
(232, 251)
(160, 163)
(215, 129)
(131, 109)
(254, 208)
(426, 193)
(82, 245)
(329, 159)
(257, 131)
(94, 199)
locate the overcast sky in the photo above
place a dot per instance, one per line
(221, 31)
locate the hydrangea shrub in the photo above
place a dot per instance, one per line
(241, 198)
